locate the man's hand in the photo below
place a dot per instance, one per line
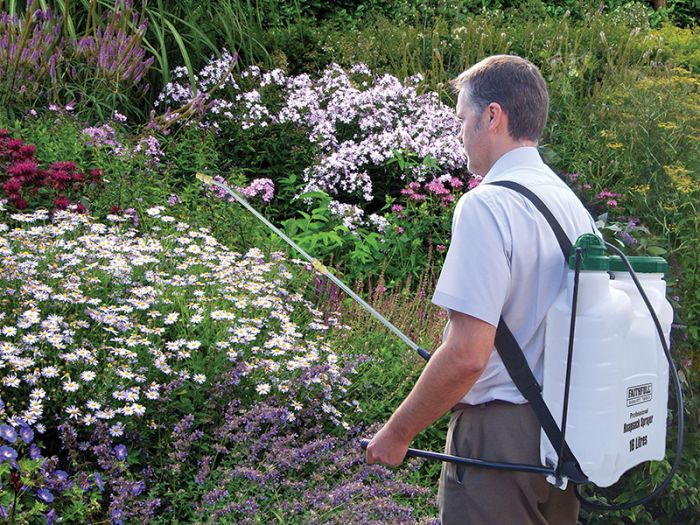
(386, 447)
(451, 372)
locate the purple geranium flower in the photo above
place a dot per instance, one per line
(117, 517)
(51, 517)
(26, 434)
(8, 433)
(121, 452)
(7, 454)
(98, 481)
(44, 495)
(34, 451)
(61, 475)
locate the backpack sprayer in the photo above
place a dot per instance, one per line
(619, 375)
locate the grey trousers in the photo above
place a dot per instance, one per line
(499, 431)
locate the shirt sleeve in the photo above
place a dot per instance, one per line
(476, 277)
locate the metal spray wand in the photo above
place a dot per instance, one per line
(320, 268)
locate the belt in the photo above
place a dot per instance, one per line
(467, 406)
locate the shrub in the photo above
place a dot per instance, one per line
(354, 123)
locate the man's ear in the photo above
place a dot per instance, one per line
(497, 118)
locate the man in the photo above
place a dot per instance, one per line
(503, 260)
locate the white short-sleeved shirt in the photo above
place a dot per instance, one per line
(504, 260)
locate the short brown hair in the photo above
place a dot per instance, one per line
(514, 83)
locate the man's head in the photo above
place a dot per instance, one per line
(516, 85)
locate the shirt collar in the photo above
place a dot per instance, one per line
(523, 157)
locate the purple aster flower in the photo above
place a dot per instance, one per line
(8, 433)
(44, 495)
(7, 454)
(34, 451)
(26, 434)
(121, 452)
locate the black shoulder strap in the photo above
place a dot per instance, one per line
(514, 359)
(562, 239)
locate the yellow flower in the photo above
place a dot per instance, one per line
(640, 188)
(615, 145)
(668, 125)
(680, 177)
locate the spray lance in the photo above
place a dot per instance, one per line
(554, 472)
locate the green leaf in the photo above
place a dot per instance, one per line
(315, 195)
(656, 251)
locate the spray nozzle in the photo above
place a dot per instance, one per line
(206, 179)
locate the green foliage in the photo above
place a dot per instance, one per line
(405, 245)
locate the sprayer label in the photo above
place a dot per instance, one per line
(637, 423)
(638, 394)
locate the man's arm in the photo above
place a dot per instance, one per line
(449, 375)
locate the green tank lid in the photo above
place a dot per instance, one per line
(639, 264)
(593, 256)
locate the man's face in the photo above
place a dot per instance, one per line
(472, 134)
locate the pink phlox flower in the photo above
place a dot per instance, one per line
(446, 200)
(437, 187)
(475, 181)
(456, 183)
(606, 194)
(259, 186)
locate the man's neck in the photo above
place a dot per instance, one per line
(502, 147)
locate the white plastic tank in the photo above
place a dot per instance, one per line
(619, 384)
(646, 378)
